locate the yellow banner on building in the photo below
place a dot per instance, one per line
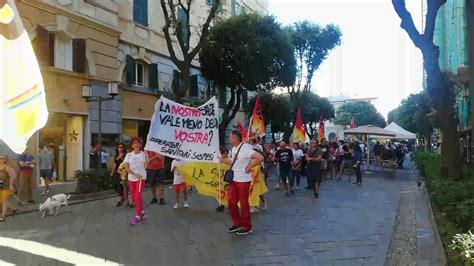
(205, 177)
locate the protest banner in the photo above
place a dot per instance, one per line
(205, 177)
(184, 132)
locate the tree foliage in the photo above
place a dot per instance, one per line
(179, 29)
(364, 113)
(313, 109)
(312, 43)
(276, 110)
(414, 114)
(247, 53)
(439, 87)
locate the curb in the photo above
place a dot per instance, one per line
(440, 248)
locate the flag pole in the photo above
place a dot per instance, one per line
(219, 190)
(250, 127)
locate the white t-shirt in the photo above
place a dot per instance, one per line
(178, 179)
(297, 154)
(243, 159)
(137, 164)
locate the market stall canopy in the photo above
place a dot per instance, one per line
(370, 130)
(400, 132)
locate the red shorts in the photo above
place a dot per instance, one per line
(176, 187)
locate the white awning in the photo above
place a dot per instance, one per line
(400, 132)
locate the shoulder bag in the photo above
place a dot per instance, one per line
(229, 174)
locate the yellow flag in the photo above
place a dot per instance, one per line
(205, 177)
(22, 98)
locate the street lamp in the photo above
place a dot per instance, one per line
(112, 91)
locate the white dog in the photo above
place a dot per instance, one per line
(54, 203)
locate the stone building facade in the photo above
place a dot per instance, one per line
(94, 42)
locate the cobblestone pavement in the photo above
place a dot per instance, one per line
(348, 225)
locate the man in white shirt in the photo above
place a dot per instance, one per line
(297, 163)
(243, 158)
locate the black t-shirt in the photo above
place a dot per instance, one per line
(284, 157)
(347, 155)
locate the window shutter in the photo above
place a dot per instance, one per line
(153, 76)
(140, 12)
(51, 51)
(194, 91)
(245, 99)
(42, 46)
(130, 68)
(232, 6)
(79, 55)
(184, 21)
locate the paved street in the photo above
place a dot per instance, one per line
(348, 225)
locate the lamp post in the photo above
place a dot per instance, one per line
(112, 91)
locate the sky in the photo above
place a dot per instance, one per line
(376, 57)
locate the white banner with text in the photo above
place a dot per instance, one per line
(184, 132)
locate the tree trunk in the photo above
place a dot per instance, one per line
(451, 163)
(185, 84)
(230, 111)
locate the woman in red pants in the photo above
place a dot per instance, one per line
(136, 164)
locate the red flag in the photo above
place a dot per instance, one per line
(321, 134)
(352, 124)
(242, 130)
(299, 134)
(257, 126)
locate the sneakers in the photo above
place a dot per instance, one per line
(162, 201)
(186, 204)
(220, 208)
(233, 229)
(46, 192)
(264, 206)
(297, 187)
(277, 187)
(243, 232)
(176, 206)
(316, 195)
(154, 201)
(135, 221)
(142, 216)
(253, 210)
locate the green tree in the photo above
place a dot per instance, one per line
(439, 86)
(247, 53)
(177, 28)
(364, 113)
(313, 108)
(276, 110)
(312, 43)
(414, 114)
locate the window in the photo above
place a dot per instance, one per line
(140, 12)
(59, 50)
(139, 73)
(62, 52)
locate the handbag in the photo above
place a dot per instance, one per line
(229, 174)
(297, 168)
